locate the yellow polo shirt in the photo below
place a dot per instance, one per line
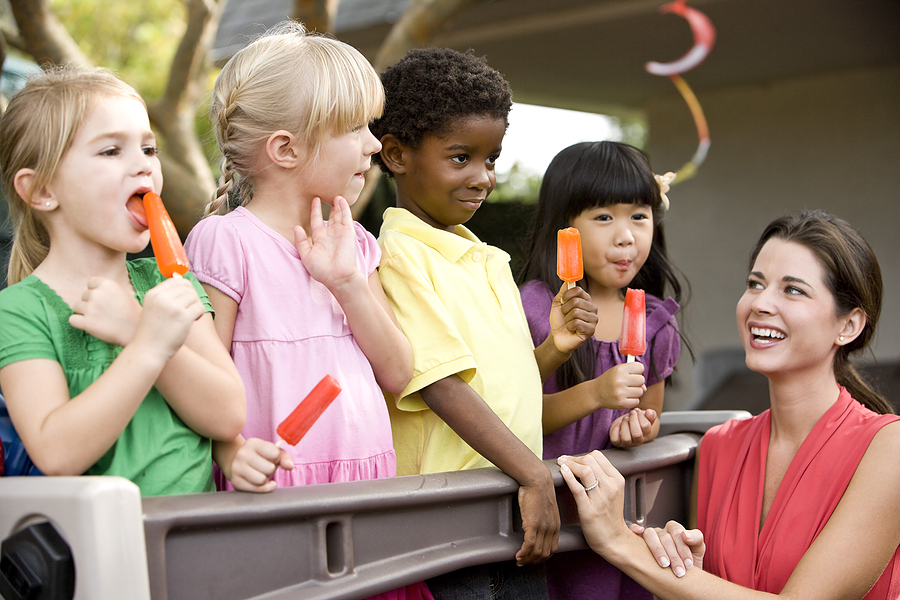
(455, 299)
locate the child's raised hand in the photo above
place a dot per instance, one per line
(170, 309)
(107, 311)
(573, 319)
(622, 386)
(632, 429)
(330, 253)
(255, 463)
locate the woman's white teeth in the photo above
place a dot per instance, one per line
(766, 333)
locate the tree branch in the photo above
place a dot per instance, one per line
(174, 113)
(45, 38)
(417, 27)
(316, 15)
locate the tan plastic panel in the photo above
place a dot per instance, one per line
(99, 517)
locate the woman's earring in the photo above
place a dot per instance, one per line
(841, 338)
(48, 205)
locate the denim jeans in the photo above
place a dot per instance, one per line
(497, 581)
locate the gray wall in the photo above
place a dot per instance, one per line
(829, 142)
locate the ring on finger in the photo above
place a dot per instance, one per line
(596, 483)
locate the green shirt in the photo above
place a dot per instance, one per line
(156, 451)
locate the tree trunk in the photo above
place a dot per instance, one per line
(44, 36)
(316, 15)
(188, 178)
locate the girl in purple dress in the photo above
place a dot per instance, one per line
(608, 192)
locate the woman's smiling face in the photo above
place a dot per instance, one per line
(786, 316)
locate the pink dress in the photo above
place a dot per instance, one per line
(289, 333)
(730, 488)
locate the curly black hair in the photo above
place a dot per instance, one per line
(430, 87)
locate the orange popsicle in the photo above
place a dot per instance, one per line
(295, 426)
(634, 325)
(568, 256)
(164, 238)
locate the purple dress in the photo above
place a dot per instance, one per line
(581, 573)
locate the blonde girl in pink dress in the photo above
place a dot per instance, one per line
(295, 298)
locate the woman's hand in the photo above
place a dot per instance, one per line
(255, 462)
(632, 429)
(674, 546)
(599, 491)
(573, 319)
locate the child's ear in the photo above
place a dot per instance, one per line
(392, 153)
(283, 149)
(40, 199)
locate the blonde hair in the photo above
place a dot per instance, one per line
(36, 132)
(290, 79)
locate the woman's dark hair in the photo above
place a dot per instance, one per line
(853, 277)
(430, 89)
(585, 176)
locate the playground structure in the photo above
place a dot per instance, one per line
(335, 541)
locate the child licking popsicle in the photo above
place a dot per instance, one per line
(108, 367)
(607, 191)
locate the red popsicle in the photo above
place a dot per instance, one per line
(569, 265)
(634, 325)
(295, 426)
(164, 238)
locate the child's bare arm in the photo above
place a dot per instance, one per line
(454, 401)
(329, 255)
(66, 435)
(617, 388)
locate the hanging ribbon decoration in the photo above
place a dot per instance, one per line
(704, 38)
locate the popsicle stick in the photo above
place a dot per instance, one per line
(629, 358)
(570, 285)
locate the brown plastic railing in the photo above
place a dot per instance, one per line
(352, 540)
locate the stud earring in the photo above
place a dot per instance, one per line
(841, 338)
(48, 205)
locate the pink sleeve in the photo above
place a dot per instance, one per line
(216, 253)
(368, 254)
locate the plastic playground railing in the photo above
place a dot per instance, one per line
(334, 541)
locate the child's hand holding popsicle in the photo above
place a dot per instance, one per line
(254, 461)
(573, 318)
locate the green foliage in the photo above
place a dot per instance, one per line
(135, 39)
(517, 186)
